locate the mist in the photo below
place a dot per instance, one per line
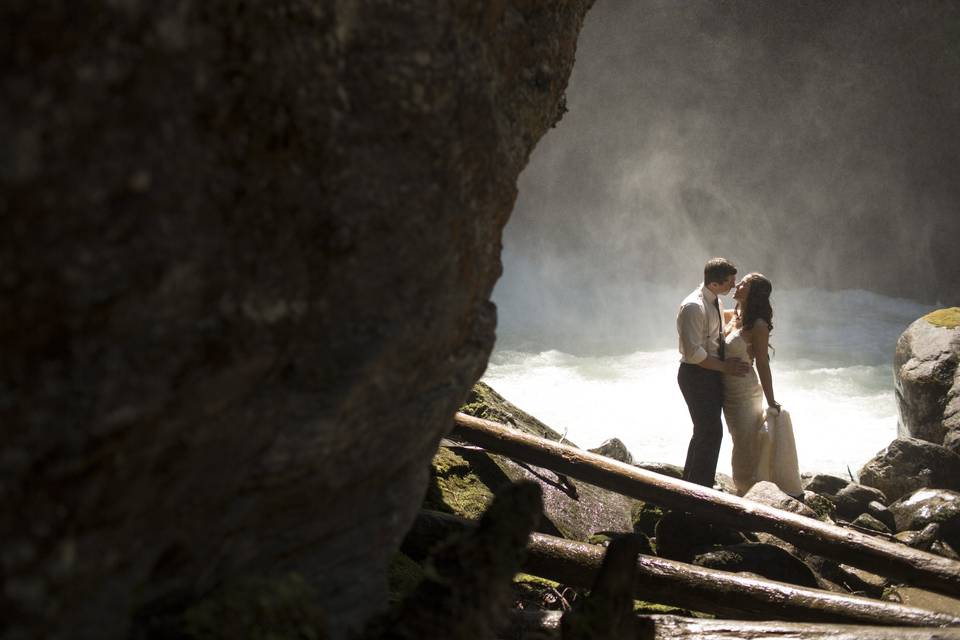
(815, 142)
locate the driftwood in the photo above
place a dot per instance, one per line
(683, 585)
(850, 547)
(545, 625)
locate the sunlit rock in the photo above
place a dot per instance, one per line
(930, 506)
(770, 494)
(614, 448)
(927, 379)
(908, 464)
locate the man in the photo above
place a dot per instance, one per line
(702, 365)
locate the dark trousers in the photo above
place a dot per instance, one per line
(703, 392)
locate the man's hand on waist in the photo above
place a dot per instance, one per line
(736, 367)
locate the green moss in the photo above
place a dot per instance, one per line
(645, 518)
(526, 578)
(599, 538)
(403, 576)
(483, 402)
(652, 608)
(823, 507)
(949, 317)
(456, 488)
(275, 608)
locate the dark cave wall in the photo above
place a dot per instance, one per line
(245, 281)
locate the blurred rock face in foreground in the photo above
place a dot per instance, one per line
(247, 256)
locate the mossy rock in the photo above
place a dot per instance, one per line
(483, 402)
(645, 518)
(403, 576)
(456, 488)
(466, 477)
(948, 318)
(822, 506)
(641, 607)
(271, 608)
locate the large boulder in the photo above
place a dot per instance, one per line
(245, 273)
(908, 464)
(464, 478)
(927, 379)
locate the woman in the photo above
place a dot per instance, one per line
(748, 337)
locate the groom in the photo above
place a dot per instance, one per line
(702, 365)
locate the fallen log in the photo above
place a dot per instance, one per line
(545, 625)
(850, 547)
(682, 585)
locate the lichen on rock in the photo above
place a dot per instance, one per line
(948, 318)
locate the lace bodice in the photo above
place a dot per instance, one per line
(737, 346)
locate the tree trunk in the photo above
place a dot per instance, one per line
(545, 625)
(675, 583)
(850, 547)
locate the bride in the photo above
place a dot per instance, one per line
(763, 446)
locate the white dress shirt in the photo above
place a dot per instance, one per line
(698, 325)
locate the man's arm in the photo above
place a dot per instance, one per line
(690, 325)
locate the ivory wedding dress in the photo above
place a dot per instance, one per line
(763, 444)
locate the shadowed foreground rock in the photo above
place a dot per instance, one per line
(468, 576)
(245, 270)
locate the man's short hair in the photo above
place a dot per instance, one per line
(718, 270)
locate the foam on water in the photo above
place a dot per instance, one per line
(832, 370)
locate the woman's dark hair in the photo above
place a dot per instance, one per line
(757, 305)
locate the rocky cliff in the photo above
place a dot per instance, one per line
(246, 264)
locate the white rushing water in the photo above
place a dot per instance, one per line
(832, 370)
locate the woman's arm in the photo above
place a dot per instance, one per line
(761, 343)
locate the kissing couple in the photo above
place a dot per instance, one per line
(725, 369)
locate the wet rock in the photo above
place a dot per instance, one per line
(930, 507)
(908, 464)
(770, 494)
(822, 506)
(662, 468)
(922, 539)
(867, 521)
(826, 484)
(863, 582)
(942, 548)
(615, 449)
(882, 513)
(680, 536)
(765, 560)
(926, 377)
(858, 496)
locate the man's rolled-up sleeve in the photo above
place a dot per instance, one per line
(690, 327)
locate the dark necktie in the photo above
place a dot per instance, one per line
(720, 341)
